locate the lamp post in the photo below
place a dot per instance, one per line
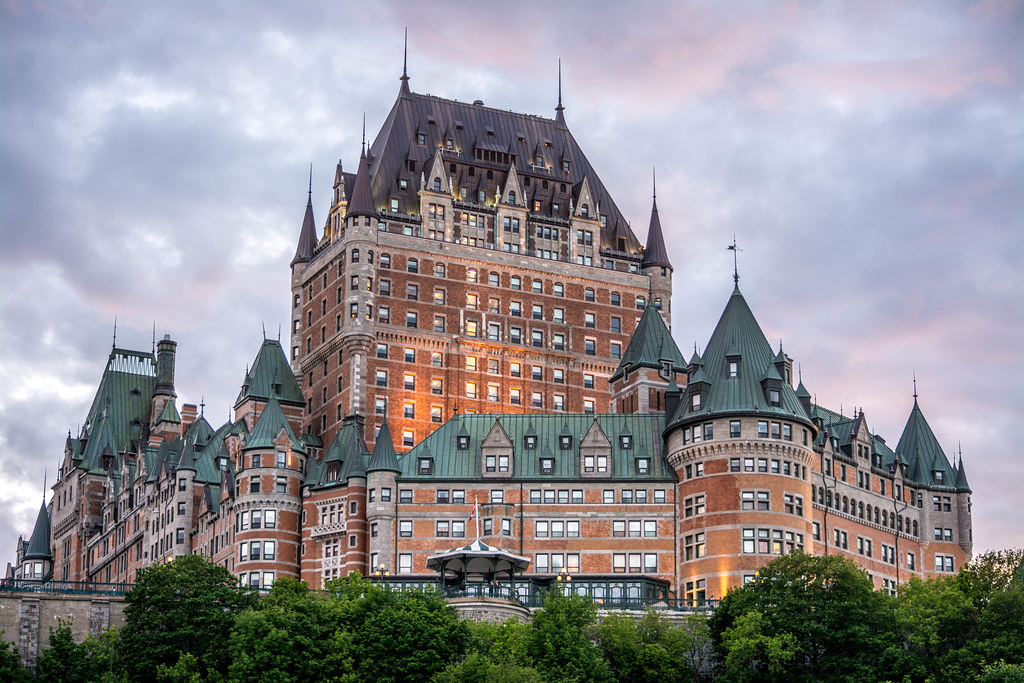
(381, 572)
(564, 580)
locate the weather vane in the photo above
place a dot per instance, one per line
(735, 268)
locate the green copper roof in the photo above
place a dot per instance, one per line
(169, 413)
(269, 426)
(271, 367)
(207, 468)
(384, 458)
(39, 544)
(120, 409)
(920, 450)
(738, 337)
(347, 443)
(961, 477)
(650, 345)
(450, 462)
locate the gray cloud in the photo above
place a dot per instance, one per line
(867, 156)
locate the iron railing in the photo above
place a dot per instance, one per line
(63, 587)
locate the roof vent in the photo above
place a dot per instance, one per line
(478, 103)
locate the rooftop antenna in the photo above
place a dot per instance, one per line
(114, 344)
(735, 267)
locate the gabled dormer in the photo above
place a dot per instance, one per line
(595, 453)
(512, 194)
(437, 178)
(497, 453)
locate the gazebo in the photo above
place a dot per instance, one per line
(475, 571)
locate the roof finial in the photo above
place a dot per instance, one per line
(114, 344)
(735, 267)
(311, 180)
(279, 333)
(264, 325)
(559, 107)
(202, 405)
(154, 337)
(44, 485)
(405, 55)
(654, 182)
(915, 386)
(800, 372)
(364, 133)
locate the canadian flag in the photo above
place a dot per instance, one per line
(473, 514)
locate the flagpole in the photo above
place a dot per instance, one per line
(476, 515)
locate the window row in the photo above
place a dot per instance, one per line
(635, 562)
(872, 514)
(556, 528)
(635, 528)
(256, 550)
(771, 466)
(771, 541)
(256, 519)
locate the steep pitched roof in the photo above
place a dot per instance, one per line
(655, 253)
(384, 458)
(650, 344)
(169, 413)
(920, 450)
(487, 139)
(271, 367)
(120, 408)
(272, 421)
(451, 462)
(39, 544)
(961, 477)
(738, 336)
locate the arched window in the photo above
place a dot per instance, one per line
(369, 257)
(437, 184)
(511, 197)
(355, 256)
(584, 210)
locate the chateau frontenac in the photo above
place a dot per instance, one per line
(480, 348)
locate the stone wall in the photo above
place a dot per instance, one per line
(26, 618)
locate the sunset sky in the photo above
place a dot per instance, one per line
(867, 156)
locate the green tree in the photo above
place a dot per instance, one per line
(10, 663)
(506, 643)
(819, 614)
(64, 661)
(956, 625)
(477, 668)
(293, 635)
(185, 606)
(401, 636)
(650, 649)
(560, 643)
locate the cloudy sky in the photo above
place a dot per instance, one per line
(868, 156)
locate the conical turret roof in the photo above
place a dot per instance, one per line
(360, 202)
(926, 462)
(384, 458)
(269, 426)
(650, 345)
(39, 544)
(655, 253)
(270, 368)
(307, 235)
(961, 477)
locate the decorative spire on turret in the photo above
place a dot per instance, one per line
(404, 91)
(559, 116)
(307, 235)
(655, 253)
(735, 263)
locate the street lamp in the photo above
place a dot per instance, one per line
(381, 572)
(564, 579)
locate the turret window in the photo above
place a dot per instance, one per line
(774, 397)
(695, 402)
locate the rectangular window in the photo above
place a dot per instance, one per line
(734, 429)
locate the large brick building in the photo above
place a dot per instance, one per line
(480, 342)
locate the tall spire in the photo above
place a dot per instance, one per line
(655, 253)
(360, 201)
(559, 115)
(404, 91)
(307, 235)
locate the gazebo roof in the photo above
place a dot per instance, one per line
(478, 558)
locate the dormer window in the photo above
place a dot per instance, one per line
(565, 442)
(511, 197)
(938, 477)
(421, 138)
(584, 210)
(774, 397)
(437, 184)
(547, 465)
(695, 402)
(626, 441)
(530, 442)
(332, 471)
(643, 465)
(734, 368)
(666, 369)
(425, 466)
(464, 443)
(449, 143)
